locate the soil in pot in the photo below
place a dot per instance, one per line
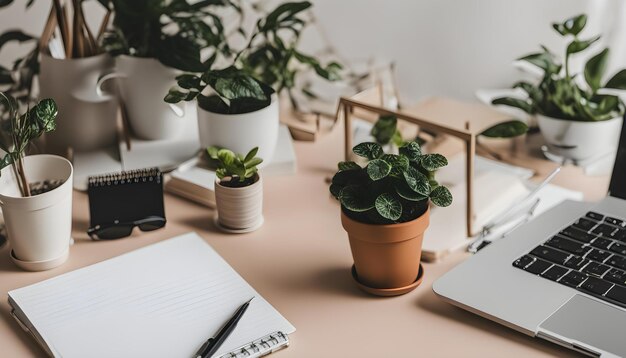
(44, 186)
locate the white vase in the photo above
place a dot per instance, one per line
(87, 118)
(578, 140)
(143, 83)
(242, 132)
(239, 208)
(38, 227)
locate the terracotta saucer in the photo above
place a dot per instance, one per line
(387, 292)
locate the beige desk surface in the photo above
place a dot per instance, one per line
(299, 261)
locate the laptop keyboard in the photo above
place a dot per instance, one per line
(589, 255)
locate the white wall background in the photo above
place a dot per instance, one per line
(449, 47)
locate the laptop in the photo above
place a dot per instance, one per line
(561, 277)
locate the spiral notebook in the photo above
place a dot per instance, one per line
(163, 300)
(125, 196)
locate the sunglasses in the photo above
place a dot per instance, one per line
(117, 230)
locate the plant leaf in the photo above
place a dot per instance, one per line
(507, 129)
(618, 81)
(544, 60)
(378, 169)
(388, 206)
(368, 150)
(514, 102)
(399, 163)
(384, 129)
(251, 154)
(353, 198)
(412, 151)
(212, 152)
(434, 161)
(407, 193)
(595, 69)
(441, 196)
(417, 181)
(580, 45)
(188, 81)
(348, 166)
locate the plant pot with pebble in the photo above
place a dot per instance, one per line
(580, 120)
(238, 190)
(35, 190)
(385, 211)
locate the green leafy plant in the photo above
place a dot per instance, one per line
(17, 80)
(172, 31)
(559, 94)
(270, 60)
(17, 131)
(390, 188)
(237, 169)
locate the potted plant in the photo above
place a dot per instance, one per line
(68, 67)
(153, 41)
(238, 190)
(238, 105)
(35, 191)
(385, 211)
(578, 120)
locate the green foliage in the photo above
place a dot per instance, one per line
(270, 62)
(17, 80)
(558, 94)
(241, 170)
(390, 188)
(17, 131)
(385, 131)
(172, 31)
(507, 129)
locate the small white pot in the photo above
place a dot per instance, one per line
(239, 209)
(143, 83)
(87, 117)
(578, 140)
(38, 227)
(242, 132)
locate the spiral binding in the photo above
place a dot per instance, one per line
(126, 177)
(260, 347)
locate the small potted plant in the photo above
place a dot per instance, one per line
(238, 190)
(238, 105)
(36, 190)
(153, 42)
(385, 211)
(578, 120)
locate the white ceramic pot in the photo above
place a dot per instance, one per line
(578, 140)
(143, 83)
(241, 132)
(86, 118)
(239, 209)
(38, 227)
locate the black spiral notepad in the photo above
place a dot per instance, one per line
(125, 196)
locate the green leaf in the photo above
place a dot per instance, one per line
(368, 150)
(335, 190)
(580, 45)
(618, 81)
(348, 166)
(253, 162)
(441, 196)
(388, 206)
(251, 154)
(407, 193)
(175, 95)
(399, 163)
(44, 113)
(412, 151)
(4, 3)
(355, 199)
(6, 161)
(384, 129)
(226, 157)
(417, 181)
(595, 69)
(433, 162)
(514, 102)
(574, 25)
(212, 152)
(188, 81)
(544, 60)
(507, 129)
(378, 169)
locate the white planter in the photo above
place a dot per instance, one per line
(239, 209)
(86, 118)
(143, 83)
(242, 132)
(38, 227)
(579, 140)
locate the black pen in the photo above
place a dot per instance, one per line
(212, 344)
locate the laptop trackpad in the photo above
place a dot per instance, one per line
(589, 325)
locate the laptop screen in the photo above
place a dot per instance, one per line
(618, 179)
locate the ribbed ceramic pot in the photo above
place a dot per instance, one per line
(39, 227)
(386, 256)
(240, 208)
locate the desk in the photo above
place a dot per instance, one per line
(300, 260)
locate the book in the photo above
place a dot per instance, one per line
(195, 181)
(163, 300)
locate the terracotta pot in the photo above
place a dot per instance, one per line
(239, 209)
(386, 256)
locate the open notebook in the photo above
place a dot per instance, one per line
(163, 300)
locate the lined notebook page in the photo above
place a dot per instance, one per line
(163, 300)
